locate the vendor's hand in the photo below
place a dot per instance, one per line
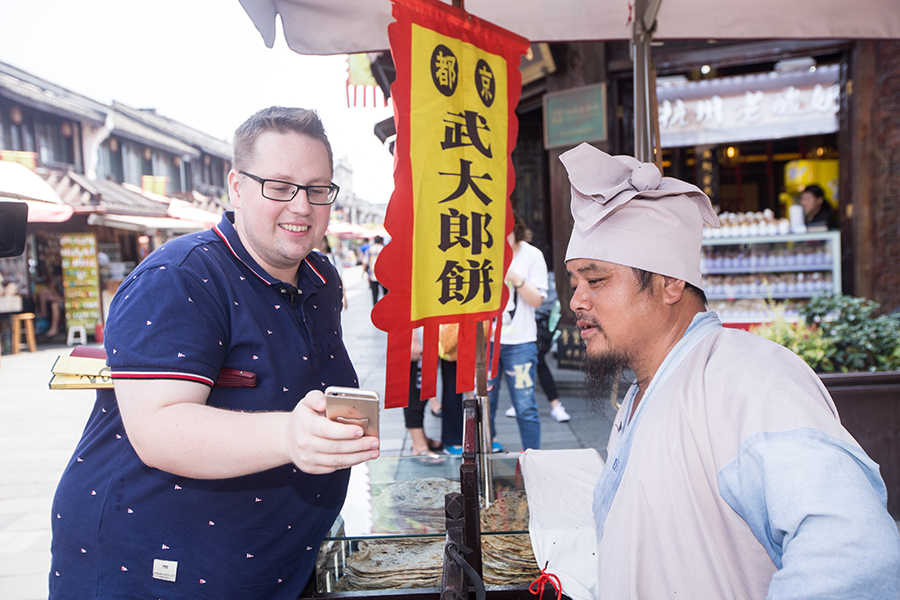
(318, 445)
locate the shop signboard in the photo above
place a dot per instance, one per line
(575, 116)
(708, 172)
(457, 86)
(569, 347)
(751, 107)
(81, 279)
(537, 63)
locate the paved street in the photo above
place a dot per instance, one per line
(39, 429)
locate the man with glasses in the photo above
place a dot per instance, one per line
(211, 471)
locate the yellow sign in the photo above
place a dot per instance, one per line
(459, 157)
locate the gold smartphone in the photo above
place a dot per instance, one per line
(354, 407)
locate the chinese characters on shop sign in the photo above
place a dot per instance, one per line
(751, 107)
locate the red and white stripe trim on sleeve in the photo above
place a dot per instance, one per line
(163, 375)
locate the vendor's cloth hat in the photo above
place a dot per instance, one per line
(628, 214)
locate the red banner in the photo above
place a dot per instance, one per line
(457, 87)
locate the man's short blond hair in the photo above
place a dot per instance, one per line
(280, 120)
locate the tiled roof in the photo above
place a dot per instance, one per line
(95, 195)
(38, 93)
(203, 141)
(92, 195)
(129, 128)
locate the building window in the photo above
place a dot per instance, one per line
(18, 125)
(132, 163)
(52, 139)
(174, 173)
(111, 164)
(53, 147)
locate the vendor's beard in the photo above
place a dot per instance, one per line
(602, 375)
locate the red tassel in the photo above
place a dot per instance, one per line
(430, 336)
(537, 586)
(396, 385)
(465, 358)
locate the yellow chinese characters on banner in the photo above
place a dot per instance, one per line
(459, 159)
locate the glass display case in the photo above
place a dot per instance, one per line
(741, 275)
(391, 532)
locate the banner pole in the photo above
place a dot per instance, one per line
(485, 408)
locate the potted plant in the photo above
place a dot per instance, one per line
(857, 356)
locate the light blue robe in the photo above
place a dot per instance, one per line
(735, 479)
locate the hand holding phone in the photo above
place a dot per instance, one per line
(353, 407)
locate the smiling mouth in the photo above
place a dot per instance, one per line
(294, 228)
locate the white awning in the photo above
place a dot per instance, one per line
(47, 212)
(21, 183)
(346, 26)
(146, 224)
(184, 211)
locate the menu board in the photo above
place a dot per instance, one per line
(81, 279)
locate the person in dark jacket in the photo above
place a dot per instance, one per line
(817, 210)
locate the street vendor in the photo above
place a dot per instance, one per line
(729, 474)
(181, 488)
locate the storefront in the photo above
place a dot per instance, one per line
(753, 143)
(737, 136)
(752, 123)
(74, 262)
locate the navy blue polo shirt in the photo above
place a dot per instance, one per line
(124, 530)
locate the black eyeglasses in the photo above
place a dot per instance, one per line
(284, 191)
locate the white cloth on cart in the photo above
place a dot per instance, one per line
(560, 486)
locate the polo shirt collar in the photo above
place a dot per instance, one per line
(307, 273)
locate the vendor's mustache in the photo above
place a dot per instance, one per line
(582, 316)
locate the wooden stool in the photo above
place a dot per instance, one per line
(77, 335)
(18, 330)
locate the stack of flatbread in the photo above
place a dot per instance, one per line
(382, 564)
(509, 512)
(412, 506)
(418, 507)
(507, 559)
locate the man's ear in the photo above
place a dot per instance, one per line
(673, 290)
(234, 188)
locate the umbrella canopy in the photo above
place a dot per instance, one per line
(347, 231)
(180, 209)
(347, 26)
(44, 204)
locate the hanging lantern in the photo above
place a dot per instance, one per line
(113, 145)
(66, 128)
(15, 115)
(148, 154)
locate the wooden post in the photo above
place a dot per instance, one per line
(468, 479)
(453, 581)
